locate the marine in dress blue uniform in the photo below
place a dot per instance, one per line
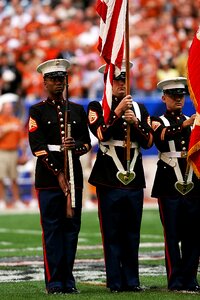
(177, 188)
(120, 196)
(47, 139)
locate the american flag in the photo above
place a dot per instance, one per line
(111, 43)
(194, 88)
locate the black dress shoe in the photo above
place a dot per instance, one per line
(55, 290)
(195, 288)
(176, 288)
(115, 290)
(134, 289)
(72, 290)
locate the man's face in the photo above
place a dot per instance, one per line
(7, 109)
(119, 88)
(173, 102)
(55, 85)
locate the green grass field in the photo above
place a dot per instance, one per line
(21, 260)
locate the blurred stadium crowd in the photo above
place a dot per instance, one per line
(34, 31)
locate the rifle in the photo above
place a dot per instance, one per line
(68, 162)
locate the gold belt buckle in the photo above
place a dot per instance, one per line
(125, 144)
(183, 154)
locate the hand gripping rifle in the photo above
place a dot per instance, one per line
(68, 162)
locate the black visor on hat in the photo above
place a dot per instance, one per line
(55, 74)
(178, 91)
(122, 76)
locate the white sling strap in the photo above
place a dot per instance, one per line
(111, 144)
(112, 153)
(137, 110)
(172, 159)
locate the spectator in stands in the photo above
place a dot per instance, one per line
(166, 70)
(181, 59)
(92, 82)
(65, 10)
(66, 51)
(31, 84)
(20, 17)
(76, 76)
(144, 74)
(10, 77)
(11, 141)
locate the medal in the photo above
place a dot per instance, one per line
(125, 178)
(184, 187)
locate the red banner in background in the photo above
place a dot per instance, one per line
(194, 89)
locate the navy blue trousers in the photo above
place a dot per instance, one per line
(60, 237)
(120, 213)
(180, 217)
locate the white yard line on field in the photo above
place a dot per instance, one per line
(20, 231)
(89, 270)
(81, 236)
(80, 247)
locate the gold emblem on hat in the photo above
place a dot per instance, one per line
(57, 62)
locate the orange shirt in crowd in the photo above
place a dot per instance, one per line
(11, 132)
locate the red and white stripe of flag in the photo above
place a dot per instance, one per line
(111, 43)
(193, 66)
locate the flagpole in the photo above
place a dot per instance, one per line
(127, 84)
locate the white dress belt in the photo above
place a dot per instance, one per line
(54, 148)
(178, 154)
(117, 143)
